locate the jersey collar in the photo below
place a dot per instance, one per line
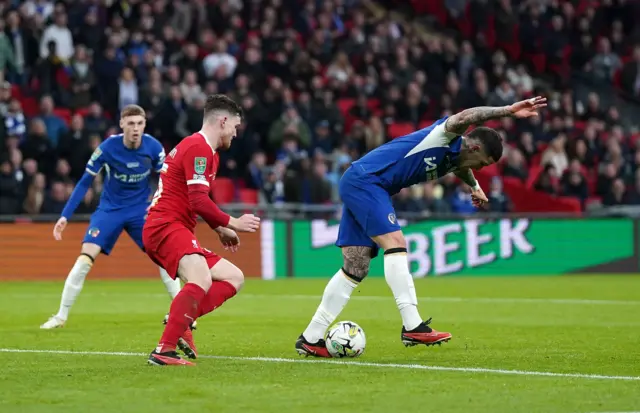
(204, 136)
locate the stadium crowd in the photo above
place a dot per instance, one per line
(321, 83)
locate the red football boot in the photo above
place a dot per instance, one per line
(318, 349)
(423, 334)
(187, 345)
(168, 358)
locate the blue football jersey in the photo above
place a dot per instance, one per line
(126, 171)
(424, 155)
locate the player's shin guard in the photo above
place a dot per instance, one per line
(336, 296)
(219, 292)
(73, 284)
(399, 279)
(183, 311)
(173, 286)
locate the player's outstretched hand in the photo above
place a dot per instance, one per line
(246, 223)
(229, 239)
(59, 227)
(528, 108)
(478, 198)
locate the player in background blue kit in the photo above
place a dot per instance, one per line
(369, 220)
(127, 160)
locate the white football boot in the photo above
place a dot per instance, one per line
(53, 322)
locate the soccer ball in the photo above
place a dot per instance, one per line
(345, 339)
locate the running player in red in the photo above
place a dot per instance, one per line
(168, 234)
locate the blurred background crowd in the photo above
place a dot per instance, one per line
(322, 82)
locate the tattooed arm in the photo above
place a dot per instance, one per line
(466, 176)
(460, 122)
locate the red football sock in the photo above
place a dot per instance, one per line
(184, 309)
(219, 292)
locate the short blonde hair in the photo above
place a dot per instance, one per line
(132, 110)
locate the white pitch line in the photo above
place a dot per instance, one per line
(344, 363)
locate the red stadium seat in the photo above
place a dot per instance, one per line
(345, 104)
(64, 114)
(395, 130)
(223, 191)
(248, 196)
(29, 106)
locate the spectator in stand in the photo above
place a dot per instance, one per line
(82, 79)
(220, 64)
(548, 181)
(35, 195)
(498, 200)
(556, 155)
(54, 202)
(128, 93)
(95, 122)
(574, 183)
(515, 166)
(9, 189)
(60, 35)
(461, 203)
(633, 197)
(74, 146)
(39, 147)
(14, 120)
(630, 77)
(54, 125)
(608, 174)
(290, 122)
(606, 62)
(616, 194)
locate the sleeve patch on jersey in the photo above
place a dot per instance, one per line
(199, 177)
(197, 181)
(96, 154)
(200, 165)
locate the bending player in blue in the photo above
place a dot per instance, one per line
(369, 221)
(127, 160)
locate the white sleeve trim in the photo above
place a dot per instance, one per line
(91, 172)
(197, 181)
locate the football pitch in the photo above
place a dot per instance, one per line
(527, 344)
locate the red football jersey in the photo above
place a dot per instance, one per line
(192, 162)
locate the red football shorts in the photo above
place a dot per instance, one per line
(166, 245)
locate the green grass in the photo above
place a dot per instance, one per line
(528, 324)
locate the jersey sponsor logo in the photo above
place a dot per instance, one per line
(392, 218)
(95, 155)
(133, 164)
(431, 168)
(94, 232)
(199, 177)
(200, 165)
(131, 179)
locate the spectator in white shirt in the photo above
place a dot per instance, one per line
(60, 34)
(220, 60)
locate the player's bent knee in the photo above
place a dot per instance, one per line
(90, 250)
(356, 261)
(391, 240)
(193, 269)
(226, 271)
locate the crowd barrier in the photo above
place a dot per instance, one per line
(512, 246)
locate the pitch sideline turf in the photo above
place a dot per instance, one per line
(576, 326)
